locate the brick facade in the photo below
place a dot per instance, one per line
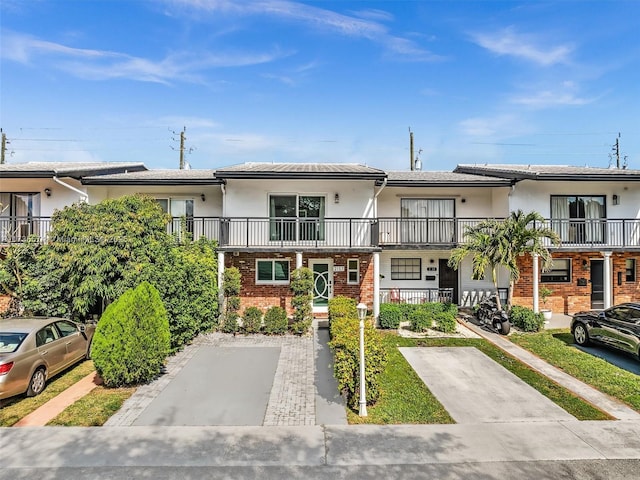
(570, 297)
(265, 296)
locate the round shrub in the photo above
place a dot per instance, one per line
(421, 320)
(132, 339)
(445, 322)
(390, 315)
(252, 320)
(230, 322)
(526, 319)
(275, 321)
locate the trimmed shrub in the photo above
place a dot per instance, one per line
(252, 320)
(275, 321)
(302, 285)
(132, 339)
(342, 307)
(229, 322)
(421, 320)
(526, 319)
(391, 314)
(445, 321)
(345, 343)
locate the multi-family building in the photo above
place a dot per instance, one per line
(377, 236)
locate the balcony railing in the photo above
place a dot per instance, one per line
(319, 233)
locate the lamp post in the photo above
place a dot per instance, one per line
(362, 312)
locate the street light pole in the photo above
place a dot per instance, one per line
(362, 312)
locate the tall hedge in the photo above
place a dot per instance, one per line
(341, 306)
(345, 343)
(132, 339)
(302, 286)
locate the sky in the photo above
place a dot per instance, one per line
(513, 82)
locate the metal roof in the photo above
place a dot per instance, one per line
(334, 171)
(156, 177)
(549, 172)
(66, 169)
(442, 179)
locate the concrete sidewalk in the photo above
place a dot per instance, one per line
(61, 447)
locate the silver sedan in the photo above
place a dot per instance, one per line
(32, 350)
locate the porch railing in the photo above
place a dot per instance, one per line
(416, 295)
(18, 229)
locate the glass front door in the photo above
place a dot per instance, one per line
(322, 283)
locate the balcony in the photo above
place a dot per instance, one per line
(354, 233)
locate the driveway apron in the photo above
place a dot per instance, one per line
(217, 386)
(473, 388)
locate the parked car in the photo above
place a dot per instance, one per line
(32, 350)
(617, 327)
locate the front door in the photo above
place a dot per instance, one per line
(322, 283)
(448, 278)
(597, 284)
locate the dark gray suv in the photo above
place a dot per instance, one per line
(617, 327)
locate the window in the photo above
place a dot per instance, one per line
(296, 217)
(406, 268)
(630, 269)
(66, 328)
(272, 271)
(19, 214)
(428, 220)
(560, 272)
(579, 218)
(353, 271)
(181, 210)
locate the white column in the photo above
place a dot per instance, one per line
(376, 285)
(608, 280)
(536, 307)
(220, 277)
(298, 259)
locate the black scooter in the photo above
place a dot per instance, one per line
(488, 314)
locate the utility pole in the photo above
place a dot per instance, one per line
(3, 148)
(411, 160)
(616, 151)
(183, 138)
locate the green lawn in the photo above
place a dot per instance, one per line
(18, 407)
(555, 347)
(405, 399)
(93, 409)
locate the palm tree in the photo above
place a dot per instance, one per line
(494, 243)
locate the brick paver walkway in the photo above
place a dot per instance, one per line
(292, 399)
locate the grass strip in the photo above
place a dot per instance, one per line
(18, 407)
(556, 347)
(94, 409)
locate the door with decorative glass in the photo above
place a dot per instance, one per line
(322, 283)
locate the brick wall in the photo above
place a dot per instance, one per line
(5, 301)
(570, 297)
(265, 296)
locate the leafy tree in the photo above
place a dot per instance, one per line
(132, 339)
(493, 243)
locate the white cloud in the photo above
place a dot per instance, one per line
(104, 65)
(498, 126)
(566, 94)
(367, 26)
(509, 42)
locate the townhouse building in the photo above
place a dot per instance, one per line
(373, 235)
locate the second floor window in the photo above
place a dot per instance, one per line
(181, 210)
(578, 218)
(296, 217)
(428, 220)
(19, 214)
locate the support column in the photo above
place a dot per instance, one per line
(220, 277)
(298, 259)
(608, 280)
(536, 307)
(376, 286)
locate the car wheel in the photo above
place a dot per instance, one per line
(36, 385)
(581, 335)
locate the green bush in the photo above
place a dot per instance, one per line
(526, 319)
(275, 321)
(342, 307)
(345, 343)
(421, 320)
(252, 320)
(229, 322)
(132, 339)
(302, 286)
(445, 321)
(391, 314)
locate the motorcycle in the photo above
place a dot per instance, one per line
(488, 314)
